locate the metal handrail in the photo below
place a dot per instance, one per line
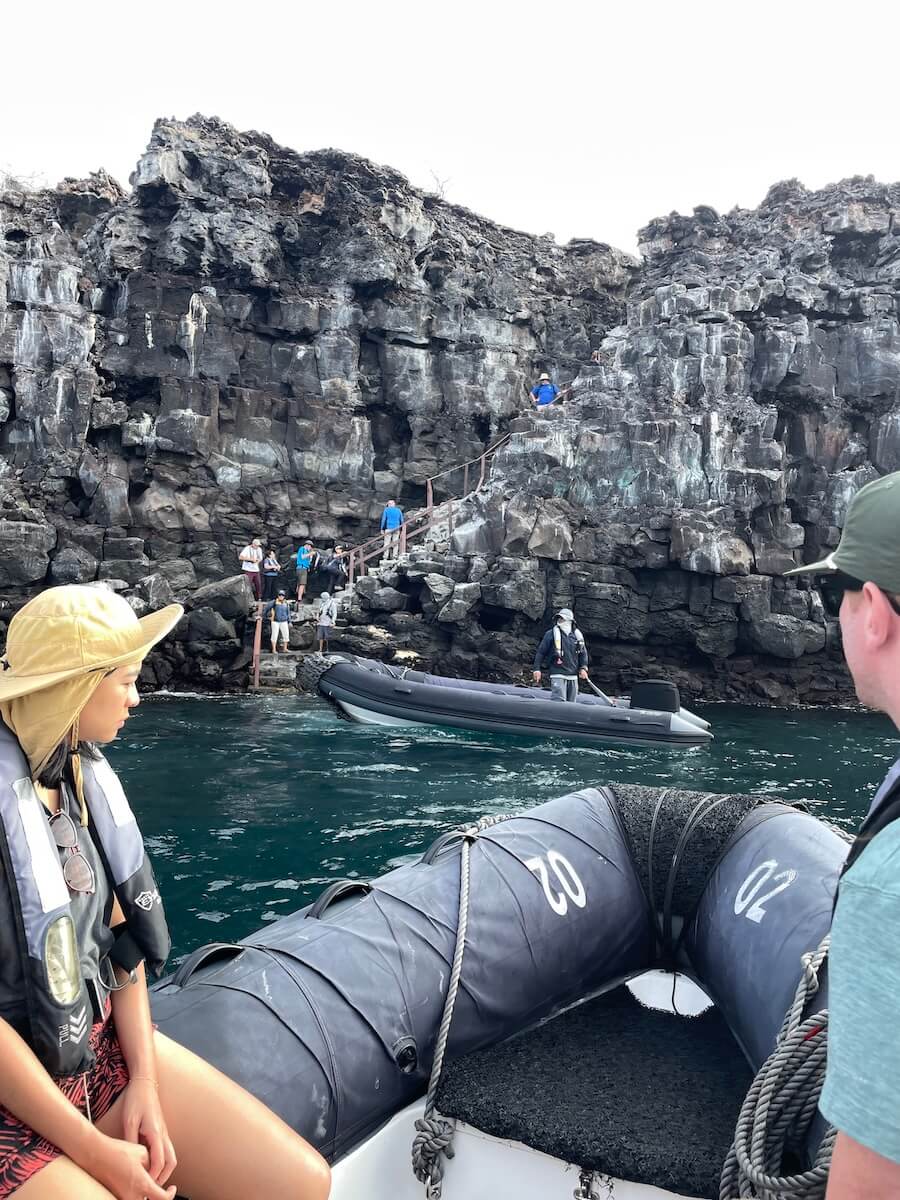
(422, 520)
(416, 524)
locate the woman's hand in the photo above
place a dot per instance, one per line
(143, 1122)
(122, 1169)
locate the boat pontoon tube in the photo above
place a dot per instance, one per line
(329, 1015)
(768, 901)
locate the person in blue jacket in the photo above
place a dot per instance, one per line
(563, 652)
(391, 520)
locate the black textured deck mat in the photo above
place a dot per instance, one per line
(610, 1085)
(708, 839)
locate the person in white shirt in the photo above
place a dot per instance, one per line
(251, 556)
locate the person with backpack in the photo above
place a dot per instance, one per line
(281, 620)
(307, 559)
(860, 585)
(271, 568)
(336, 568)
(562, 651)
(328, 615)
(391, 520)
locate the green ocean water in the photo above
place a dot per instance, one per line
(251, 805)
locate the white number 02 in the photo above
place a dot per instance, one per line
(565, 875)
(748, 901)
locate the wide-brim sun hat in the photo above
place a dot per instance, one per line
(544, 376)
(72, 630)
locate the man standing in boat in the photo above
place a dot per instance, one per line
(860, 584)
(562, 651)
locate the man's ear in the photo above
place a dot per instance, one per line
(879, 616)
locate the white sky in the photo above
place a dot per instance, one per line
(584, 120)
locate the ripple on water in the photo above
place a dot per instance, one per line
(263, 801)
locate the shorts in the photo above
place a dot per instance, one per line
(22, 1151)
(322, 632)
(302, 577)
(283, 628)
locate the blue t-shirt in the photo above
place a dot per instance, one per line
(304, 558)
(391, 518)
(861, 1096)
(545, 393)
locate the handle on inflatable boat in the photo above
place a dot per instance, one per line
(441, 842)
(203, 957)
(407, 691)
(337, 891)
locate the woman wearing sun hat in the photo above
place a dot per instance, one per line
(93, 1104)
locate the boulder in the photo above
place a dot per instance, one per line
(207, 625)
(700, 543)
(388, 599)
(230, 598)
(156, 590)
(786, 637)
(180, 573)
(24, 551)
(463, 599)
(551, 536)
(73, 564)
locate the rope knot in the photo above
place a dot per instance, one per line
(434, 1139)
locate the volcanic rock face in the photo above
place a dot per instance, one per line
(255, 342)
(753, 388)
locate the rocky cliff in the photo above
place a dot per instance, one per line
(256, 341)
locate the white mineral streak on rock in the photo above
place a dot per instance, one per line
(191, 328)
(148, 330)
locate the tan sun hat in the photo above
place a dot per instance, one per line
(544, 376)
(73, 629)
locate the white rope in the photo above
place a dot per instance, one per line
(781, 1105)
(434, 1134)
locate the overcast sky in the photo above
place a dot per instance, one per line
(581, 120)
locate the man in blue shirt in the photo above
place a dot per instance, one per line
(307, 560)
(544, 392)
(391, 520)
(860, 583)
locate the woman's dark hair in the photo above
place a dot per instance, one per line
(57, 766)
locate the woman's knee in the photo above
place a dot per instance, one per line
(62, 1177)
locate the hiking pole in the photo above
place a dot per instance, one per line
(602, 695)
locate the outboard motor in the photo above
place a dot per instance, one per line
(657, 695)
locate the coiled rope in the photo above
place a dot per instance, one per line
(434, 1134)
(781, 1105)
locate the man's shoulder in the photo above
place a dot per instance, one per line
(878, 867)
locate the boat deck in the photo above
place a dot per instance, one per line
(635, 1093)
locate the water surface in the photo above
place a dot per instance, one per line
(251, 805)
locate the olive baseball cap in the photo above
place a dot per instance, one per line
(869, 548)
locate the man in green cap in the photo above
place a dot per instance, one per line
(860, 584)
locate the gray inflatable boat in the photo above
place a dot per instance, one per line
(377, 693)
(331, 1014)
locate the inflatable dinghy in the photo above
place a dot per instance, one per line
(568, 1058)
(379, 694)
